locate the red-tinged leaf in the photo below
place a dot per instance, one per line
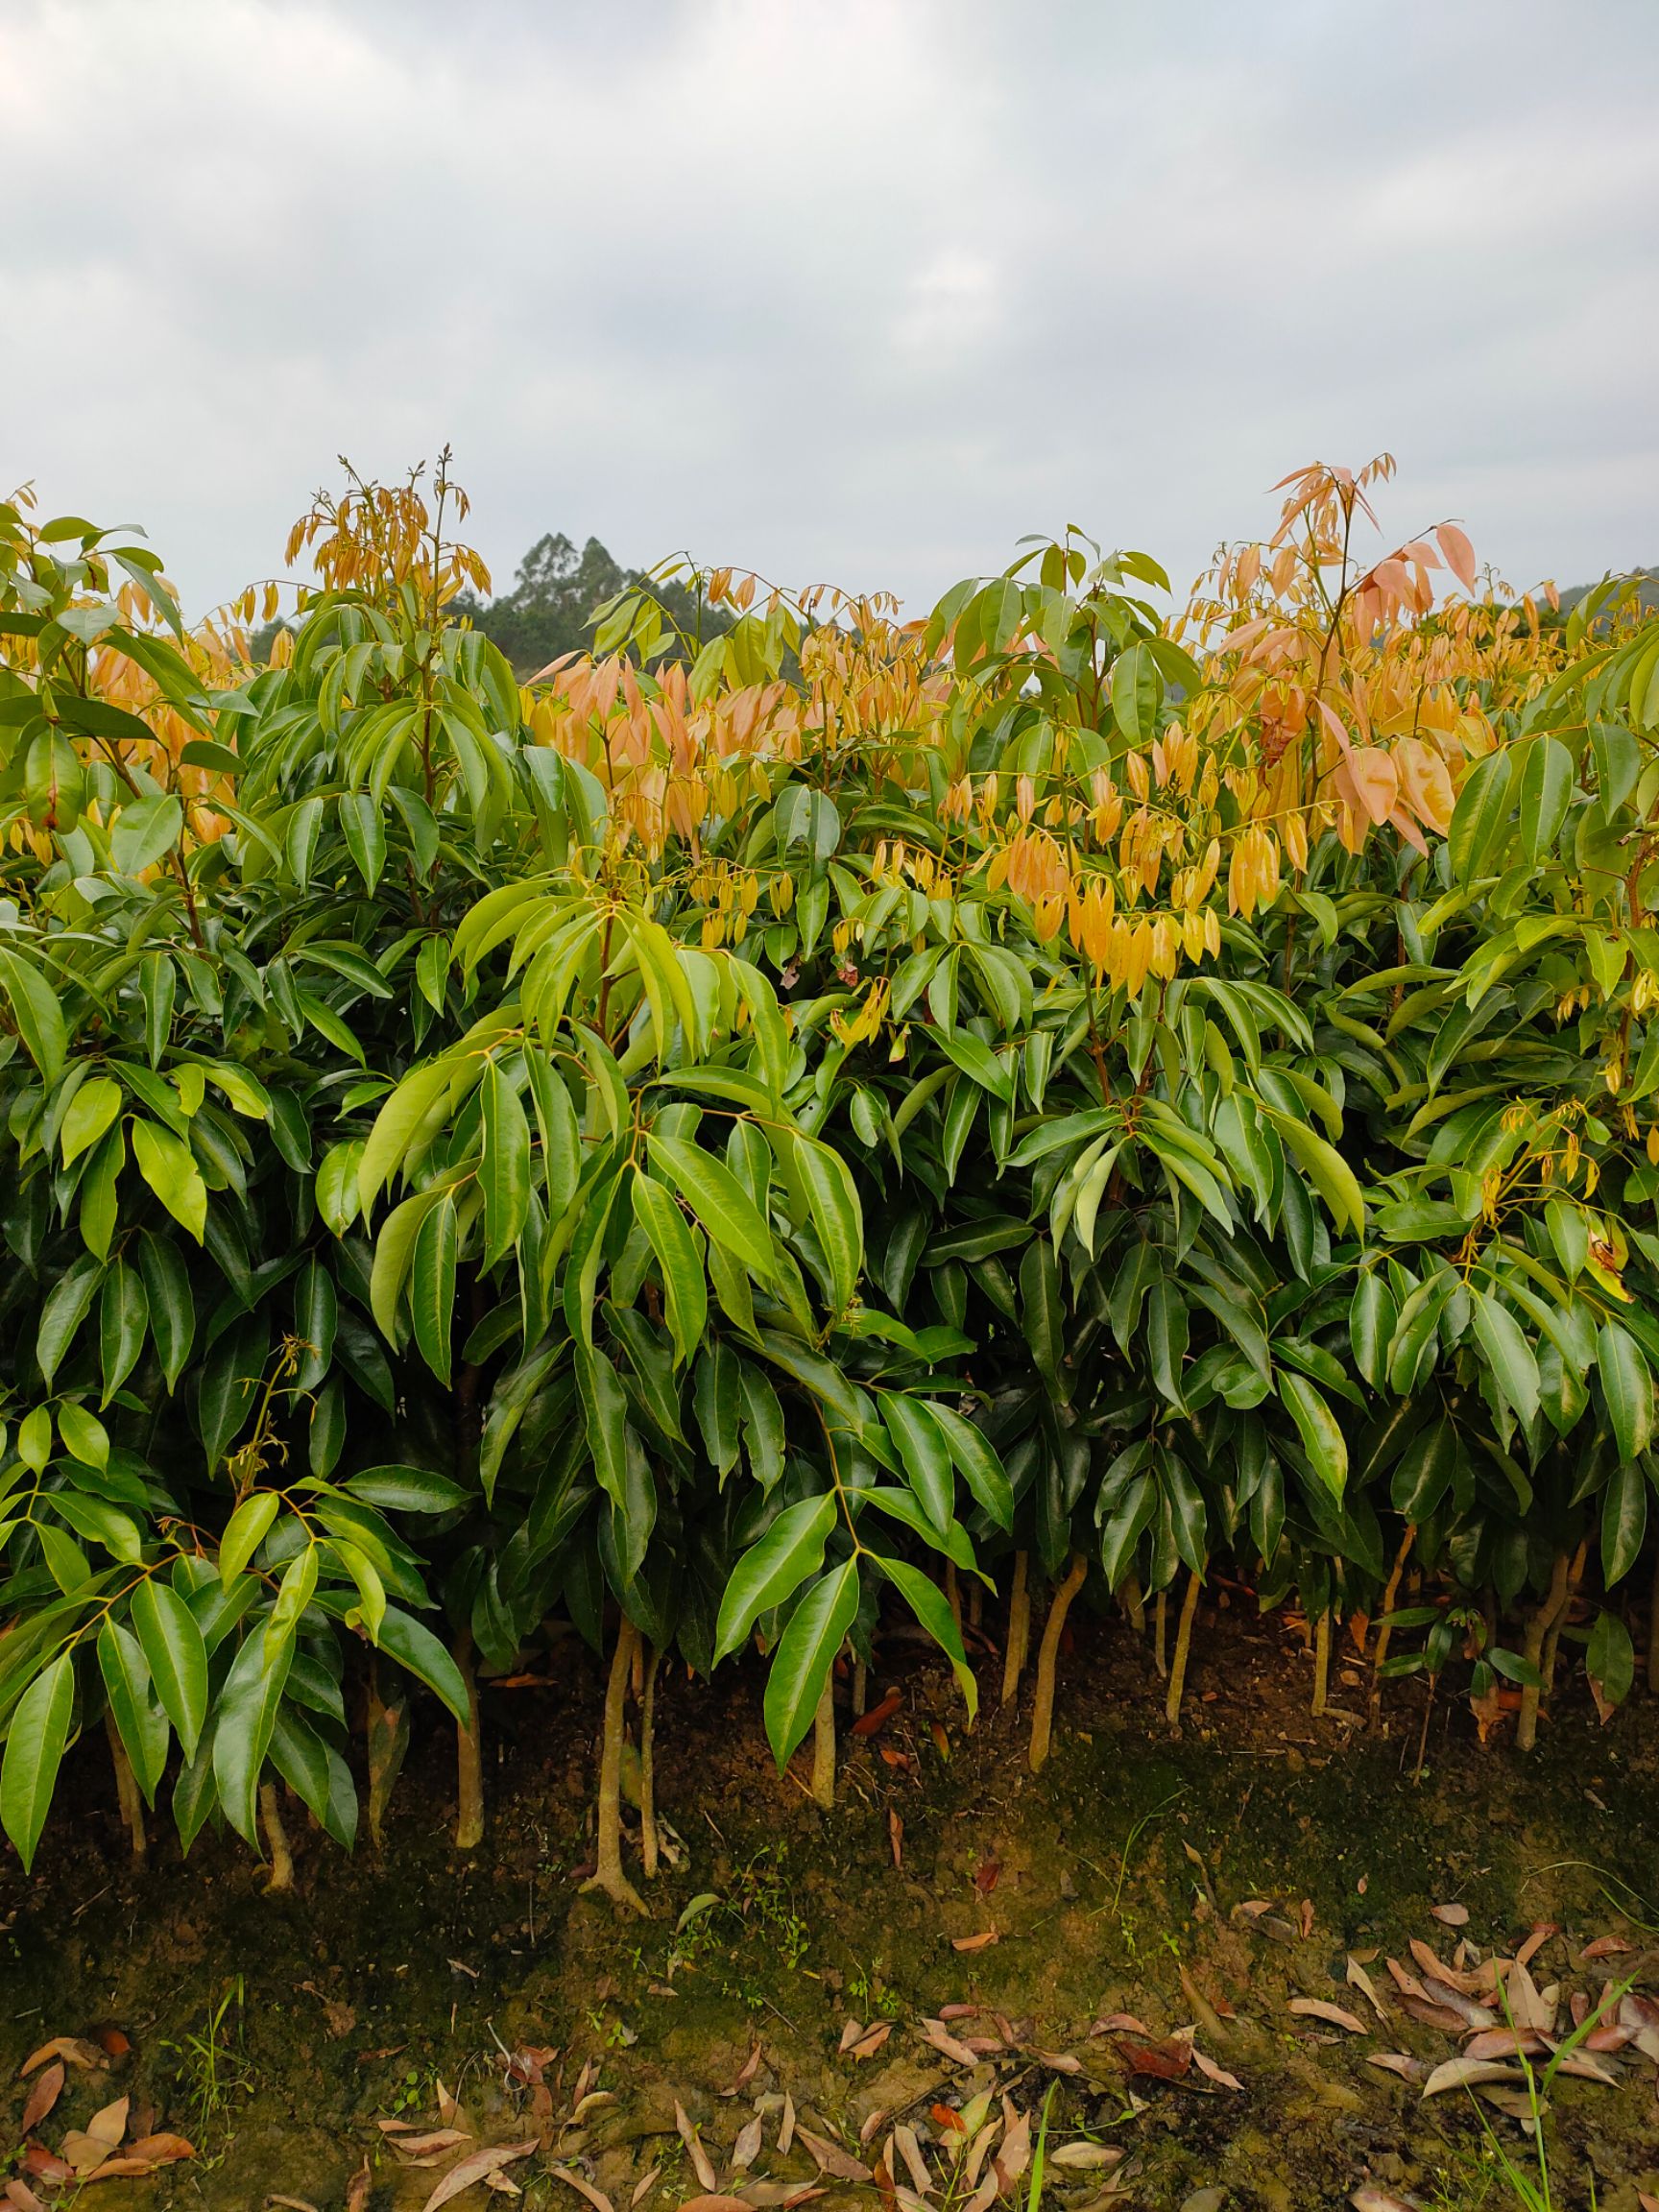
(114, 2042)
(1503, 2043)
(19, 2194)
(1460, 555)
(702, 2164)
(582, 2188)
(941, 2040)
(1307, 1918)
(1121, 2024)
(980, 1942)
(715, 2202)
(871, 1723)
(746, 2074)
(42, 2097)
(1164, 2058)
(1398, 2062)
(986, 1875)
(1214, 2073)
(872, 2040)
(1450, 1915)
(70, 2047)
(46, 2165)
(1604, 1947)
(1316, 2009)
(1542, 1932)
(1057, 2061)
(163, 2150)
(477, 2165)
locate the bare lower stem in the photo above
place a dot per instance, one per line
(1135, 1605)
(276, 1839)
(977, 1606)
(647, 1766)
(1390, 1598)
(860, 1689)
(1182, 1648)
(1321, 1664)
(1047, 1658)
(607, 1875)
(1552, 1634)
(127, 1790)
(1161, 1635)
(953, 1594)
(1543, 1618)
(824, 1747)
(469, 1756)
(1018, 1628)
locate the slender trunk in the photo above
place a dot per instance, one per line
(128, 1794)
(1047, 1658)
(860, 1689)
(469, 1756)
(277, 1837)
(1161, 1635)
(1018, 1628)
(1135, 1605)
(1390, 1598)
(824, 1746)
(1552, 1634)
(977, 1606)
(953, 1594)
(1321, 1664)
(1182, 1648)
(609, 1875)
(1542, 1618)
(647, 1766)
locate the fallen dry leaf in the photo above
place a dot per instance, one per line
(1165, 2059)
(1358, 1979)
(1369, 2199)
(70, 2047)
(22, 2197)
(896, 1836)
(643, 2187)
(46, 2165)
(980, 1942)
(1505, 2043)
(831, 2158)
(746, 2074)
(941, 2040)
(1466, 2074)
(747, 2148)
(83, 2152)
(42, 2097)
(1450, 1915)
(582, 2188)
(1214, 2073)
(1316, 2009)
(478, 2164)
(786, 2126)
(1120, 2023)
(1542, 1930)
(1086, 2158)
(702, 2164)
(1057, 2061)
(426, 2149)
(1605, 1947)
(715, 2202)
(1398, 2062)
(872, 1724)
(358, 2188)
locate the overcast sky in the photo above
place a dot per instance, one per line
(858, 290)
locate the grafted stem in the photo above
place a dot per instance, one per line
(276, 1839)
(647, 1765)
(609, 1875)
(468, 1755)
(1018, 1628)
(1182, 1648)
(126, 1791)
(824, 1746)
(1047, 1658)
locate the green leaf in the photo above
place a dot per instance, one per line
(35, 1010)
(1508, 1355)
(146, 831)
(1371, 1324)
(977, 1462)
(605, 1414)
(176, 1655)
(1610, 1662)
(85, 1437)
(832, 1198)
(34, 1746)
(90, 1112)
(432, 1286)
(165, 1163)
(926, 1458)
(1137, 693)
(1042, 1314)
(804, 1656)
(1479, 817)
(927, 1601)
(719, 1201)
(770, 1572)
(336, 1187)
(406, 1490)
(1627, 1386)
(396, 1125)
(1545, 791)
(139, 1721)
(1623, 1522)
(1323, 1439)
(123, 1318)
(66, 1307)
(245, 1531)
(248, 1708)
(419, 1652)
(1325, 1168)
(365, 830)
(172, 1311)
(504, 1167)
(678, 1260)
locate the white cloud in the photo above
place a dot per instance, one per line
(861, 288)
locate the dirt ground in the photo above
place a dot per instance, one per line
(1120, 1944)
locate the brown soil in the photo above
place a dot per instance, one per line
(1113, 1883)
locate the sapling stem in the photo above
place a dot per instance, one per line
(1390, 1598)
(608, 1874)
(1161, 1635)
(824, 1746)
(277, 1837)
(1538, 1622)
(468, 1755)
(1182, 1648)
(1047, 1658)
(648, 1845)
(1018, 1627)
(126, 1791)
(1321, 1665)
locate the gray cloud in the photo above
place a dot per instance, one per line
(861, 289)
